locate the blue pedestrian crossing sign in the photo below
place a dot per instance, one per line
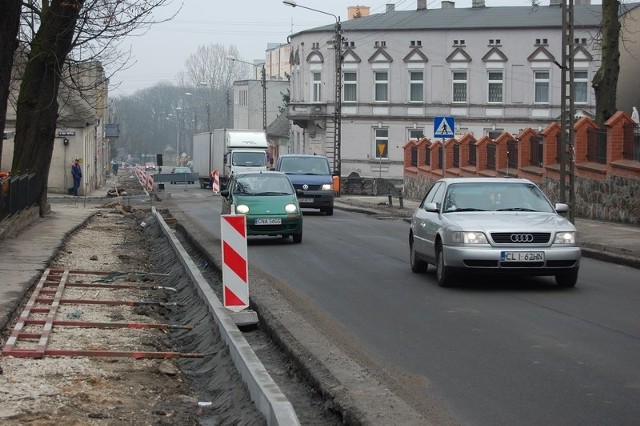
(443, 127)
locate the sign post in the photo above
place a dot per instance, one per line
(443, 127)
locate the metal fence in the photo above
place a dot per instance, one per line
(512, 154)
(536, 151)
(597, 146)
(17, 194)
(491, 156)
(472, 154)
(631, 144)
(456, 155)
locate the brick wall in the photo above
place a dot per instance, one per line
(609, 192)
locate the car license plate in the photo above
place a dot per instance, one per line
(305, 200)
(522, 256)
(268, 221)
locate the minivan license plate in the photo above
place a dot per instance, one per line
(522, 256)
(268, 221)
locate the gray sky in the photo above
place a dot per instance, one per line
(250, 25)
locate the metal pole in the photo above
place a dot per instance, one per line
(264, 99)
(568, 108)
(337, 135)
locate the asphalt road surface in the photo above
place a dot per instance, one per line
(491, 352)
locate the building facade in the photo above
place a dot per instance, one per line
(494, 69)
(80, 130)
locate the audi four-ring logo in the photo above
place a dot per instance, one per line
(305, 186)
(521, 238)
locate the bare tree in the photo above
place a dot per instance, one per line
(64, 33)
(605, 81)
(9, 24)
(210, 72)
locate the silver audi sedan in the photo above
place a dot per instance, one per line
(492, 225)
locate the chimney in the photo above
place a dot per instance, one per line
(477, 3)
(391, 7)
(357, 11)
(448, 4)
(422, 5)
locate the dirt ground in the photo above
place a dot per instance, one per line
(76, 390)
(79, 390)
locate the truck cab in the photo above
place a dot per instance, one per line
(312, 179)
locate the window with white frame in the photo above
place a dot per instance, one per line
(416, 86)
(496, 85)
(316, 95)
(541, 87)
(460, 86)
(350, 86)
(580, 87)
(416, 133)
(381, 86)
(381, 147)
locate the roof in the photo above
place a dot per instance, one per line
(504, 17)
(279, 127)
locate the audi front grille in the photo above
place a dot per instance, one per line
(521, 237)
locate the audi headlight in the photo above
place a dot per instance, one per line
(565, 238)
(290, 208)
(327, 187)
(469, 237)
(242, 209)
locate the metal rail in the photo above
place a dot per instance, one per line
(46, 299)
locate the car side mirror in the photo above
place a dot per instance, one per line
(224, 193)
(562, 207)
(431, 207)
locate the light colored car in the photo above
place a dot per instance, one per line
(150, 166)
(268, 200)
(182, 170)
(492, 225)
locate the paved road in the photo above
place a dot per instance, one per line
(583, 337)
(492, 352)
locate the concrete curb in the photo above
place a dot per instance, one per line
(265, 393)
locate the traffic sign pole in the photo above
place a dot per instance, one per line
(443, 127)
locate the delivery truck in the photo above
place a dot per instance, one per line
(228, 151)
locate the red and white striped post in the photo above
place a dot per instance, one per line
(235, 266)
(215, 182)
(149, 182)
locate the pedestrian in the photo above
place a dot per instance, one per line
(76, 172)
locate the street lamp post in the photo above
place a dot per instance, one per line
(177, 120)
(337, 114)
(263, 83)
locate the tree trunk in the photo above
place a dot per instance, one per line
(9, 21)
(38, 99)
(605, 82)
